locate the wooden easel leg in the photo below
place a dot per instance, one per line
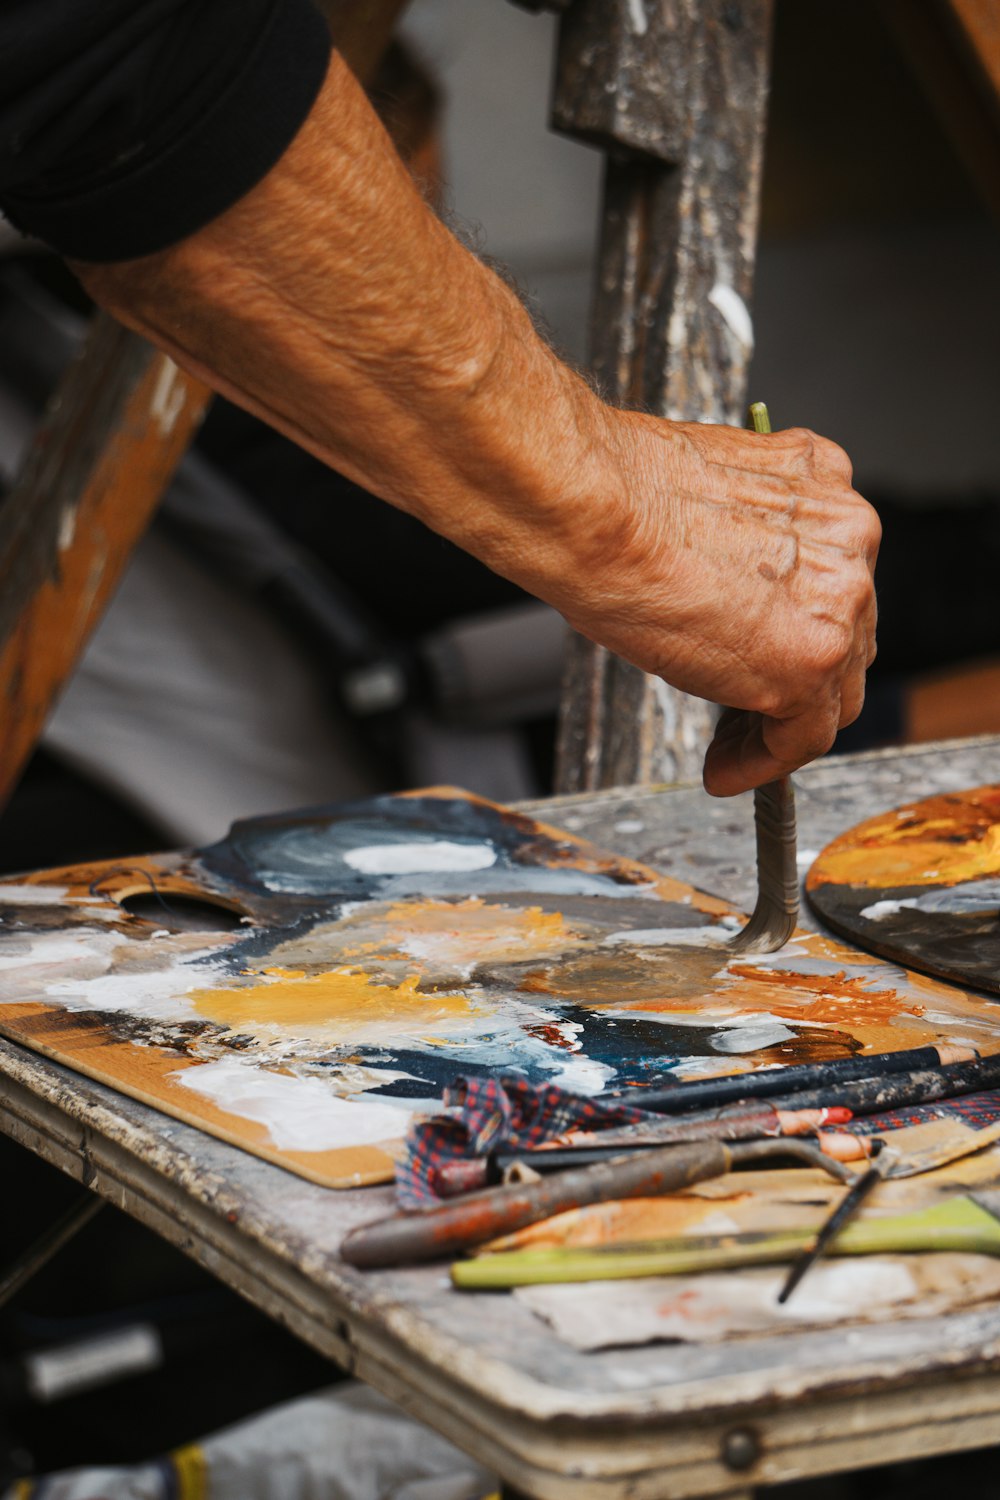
(678, 103)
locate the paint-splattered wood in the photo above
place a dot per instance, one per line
(382, 948)
(555, 1423)
(675, 93)
(113, 433)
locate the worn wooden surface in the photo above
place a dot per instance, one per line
(678, 103)
(113, 433)
(646, 1423)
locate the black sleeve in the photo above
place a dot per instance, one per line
(125, 125)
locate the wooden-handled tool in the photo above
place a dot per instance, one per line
(430, 1234)
(967, 1223)
(777, 909)
(943, 1141)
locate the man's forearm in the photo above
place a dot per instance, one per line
(335, 305)
(331, 302)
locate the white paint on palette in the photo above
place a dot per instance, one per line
(299, 1114)
(748, 1038)
(32, 895)
(38, 952)
(709, 936)
(629, 825)
(880, 909)
(420, 858)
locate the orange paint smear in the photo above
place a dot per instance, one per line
(942, 841)
(874, 1017)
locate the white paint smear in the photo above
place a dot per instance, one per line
(637, 16)
(33, 895)
(661, 937)
(299, 1114)
(629, 825)
(420, 858)
(880, 909)
(750, 1038)
(169, 395)
(730, 304)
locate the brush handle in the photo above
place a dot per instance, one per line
(958, 1224)
(871, 1096)
(777, 909)
(699, 1093)
(430, 1234)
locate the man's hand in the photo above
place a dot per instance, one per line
(743, 573)
(331, 302)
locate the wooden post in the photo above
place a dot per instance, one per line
(675, 92)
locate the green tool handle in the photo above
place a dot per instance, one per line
(958, 1224)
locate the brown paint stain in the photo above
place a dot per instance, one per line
(654, 976)
(341, 1005)
(941, 841)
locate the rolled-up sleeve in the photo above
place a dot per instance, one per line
(126, 125)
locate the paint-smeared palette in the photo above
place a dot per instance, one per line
(920, 885)
(382, 948)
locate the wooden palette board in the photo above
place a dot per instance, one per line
(920, 885)
(382, 948)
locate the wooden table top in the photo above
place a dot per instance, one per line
(662, 1420)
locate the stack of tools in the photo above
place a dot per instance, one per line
(548, 1152)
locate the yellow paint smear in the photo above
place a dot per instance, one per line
(943, 841)
(341, 1005)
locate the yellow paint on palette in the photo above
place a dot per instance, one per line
(950, 842)
(340, 1005)
(459, 935)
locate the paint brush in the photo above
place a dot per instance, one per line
(583, 1148)
(430, 1234)
(698, 1093)
(870, 1096)
(967, 1222)
(776, 912)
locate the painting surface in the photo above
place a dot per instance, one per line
(373, 952)
(921, 885)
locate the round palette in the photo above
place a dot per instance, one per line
(920, 885)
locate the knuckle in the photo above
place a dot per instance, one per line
(831, 648)
(802, 441)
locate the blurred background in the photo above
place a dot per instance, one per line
(283, 639)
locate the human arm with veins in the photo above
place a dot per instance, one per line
(331, 302)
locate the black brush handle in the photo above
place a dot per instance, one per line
(700, 1093)
(870, 1096)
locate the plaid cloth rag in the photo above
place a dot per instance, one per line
(482, 1113)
